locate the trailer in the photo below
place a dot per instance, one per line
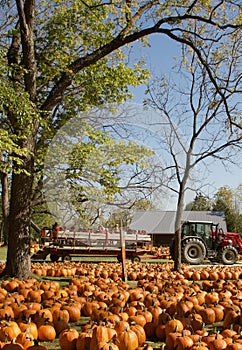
(88, 243)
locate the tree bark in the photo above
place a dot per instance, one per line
(5, 207)
(180, 209)
(178, 223)
(18, 254)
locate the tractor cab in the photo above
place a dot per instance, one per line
(206, 230)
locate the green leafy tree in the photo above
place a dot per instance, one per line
(200, 203)
(60, 57)
(225, 200)
(94, 170)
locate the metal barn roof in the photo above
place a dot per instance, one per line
(158, 221)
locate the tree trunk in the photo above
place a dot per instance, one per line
(178, 224)
(18, 255)
(5, 208)
(177, 262)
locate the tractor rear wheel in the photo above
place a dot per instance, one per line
(193, 251)
(228, 255)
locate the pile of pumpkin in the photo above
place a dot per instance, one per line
(161, 252)
(172, 308)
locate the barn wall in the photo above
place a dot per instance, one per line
(162, 239)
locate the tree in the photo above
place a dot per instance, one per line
(225, 200)
(93, 171)
(194, 126)
(59, 57)
(200, 202)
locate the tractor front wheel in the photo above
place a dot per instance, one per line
(228, 255)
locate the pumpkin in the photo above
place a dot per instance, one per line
(127, 340)
(6, 312)
(17, 308)
(183, 342)
(83, 341)
(107, 346)
(208, 315)
(219, 313)
(199, 346)
(42, 316)
(234, 346)
(138, 319)
(9, 330)
(211, 337)
(68, 338)
(60, 325)
(11, 286)
(171, 340)
(101, 334)
(231, 317)
(140, 332)
(218, 344)
(61, 314)
(173, 325)
(146, 313)
(121, 326)
(160, 332)
(74, 312)
(46, 332)
(25, 339)
(30, 327)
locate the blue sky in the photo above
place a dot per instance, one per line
(160, 58)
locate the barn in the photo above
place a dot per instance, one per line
(160, 224)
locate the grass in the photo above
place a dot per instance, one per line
(3, 253)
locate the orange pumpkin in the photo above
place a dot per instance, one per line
(107, 346)
(74, 312)
(140, 332)
(46, 332)
(68, 339)
(208, 315)
(9, 330)
(83, 341)
(174, 325)
(30, 327)
(101, 334)
(183, 342)
(25, 339)
(61, 314)
(127, 340)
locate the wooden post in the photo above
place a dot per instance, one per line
(123, 253)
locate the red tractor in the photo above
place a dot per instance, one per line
(200, 240)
